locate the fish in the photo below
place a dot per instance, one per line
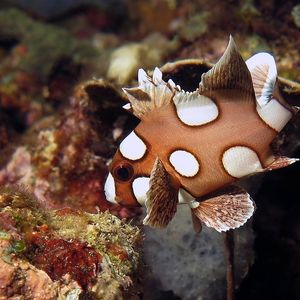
(193, 147)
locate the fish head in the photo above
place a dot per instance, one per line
(128, 179)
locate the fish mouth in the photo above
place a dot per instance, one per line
(110, 189)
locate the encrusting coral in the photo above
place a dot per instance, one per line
(46, 257)
(38, 38)
(61, 159)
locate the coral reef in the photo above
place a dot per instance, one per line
(58, 131)
(61, 159)
(46, 257)
(37, 38)
(126, 60)
(50, 9)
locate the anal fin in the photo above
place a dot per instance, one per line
(228, 209)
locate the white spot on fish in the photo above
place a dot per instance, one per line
(240, 161)
(274, 114)
(109, 189)
(184, 163)
(140, 187)
(194, 204)
(194, 109)
(132, 147)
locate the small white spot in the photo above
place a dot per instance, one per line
(194, 109)
(240, 161)
(194, 204)
(109, 189)
(143, 78)
(172, 83)
(274, 114)
(184, 163)
(117, 132)
(132, 147)
(127, 106)
(140, 187)
(184, 196)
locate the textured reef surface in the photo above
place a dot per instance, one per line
(62, 67)
(63, 254)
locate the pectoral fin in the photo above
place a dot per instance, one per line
(228, 209)
(281, 162)
(162, 197)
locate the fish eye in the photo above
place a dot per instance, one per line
(123, 172)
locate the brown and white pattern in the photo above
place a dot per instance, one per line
(196, 143)
(240, 161)
(184, 162)
(140, 187)
(151, 93)
(162, 197)
(226, 211)
(264, 73)
(274, 114)
(132, 147)
(194, 109)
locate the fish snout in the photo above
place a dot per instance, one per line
(110, 189)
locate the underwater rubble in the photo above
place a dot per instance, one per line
(64, 254)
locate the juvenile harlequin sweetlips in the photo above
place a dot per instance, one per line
(190, 147)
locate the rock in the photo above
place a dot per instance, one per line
(43, 45)
(51, 9)
(48, 255)
(296, 15)
(126, 60)
(191, 265)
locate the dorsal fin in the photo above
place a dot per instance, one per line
(263, 71)
(151, 93)
(230, 73)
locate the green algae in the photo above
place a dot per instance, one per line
(112, 237)
(115, 241)
(195, 27)
(46, 44)
(18, 247)
(252, 44)
(22, 208)
(4, 236)
(248, 11)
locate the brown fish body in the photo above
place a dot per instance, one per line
(191, 146)
(207, 143)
